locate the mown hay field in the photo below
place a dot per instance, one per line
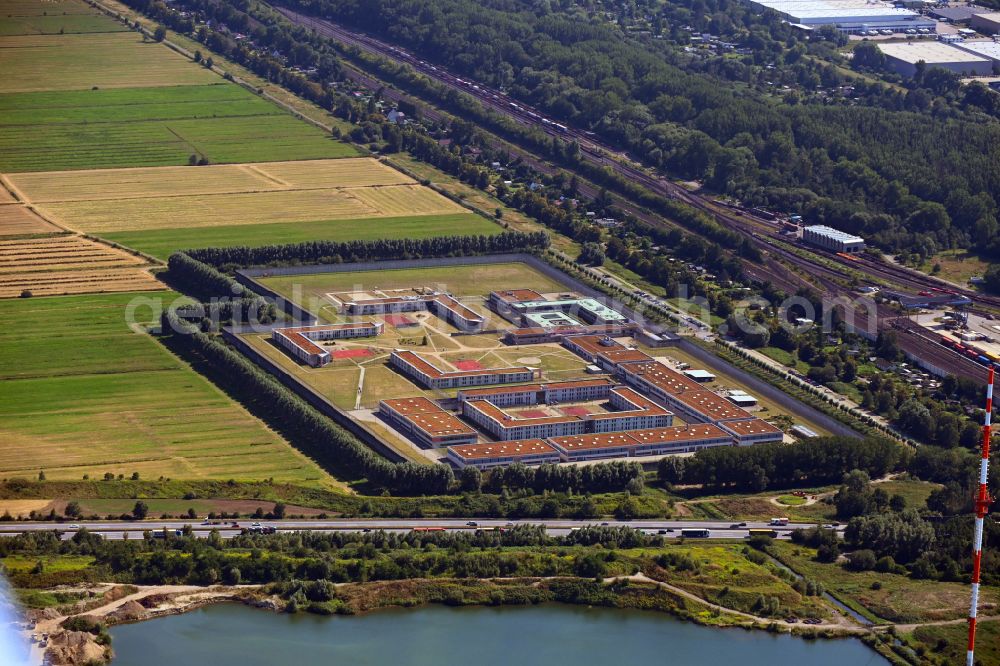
(55, 265)
(102, 184)
(98, 129)
(161, 243)
(82, 393)
(228, 196)
(105, 60)
(19, 220)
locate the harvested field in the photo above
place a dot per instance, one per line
(86, 281)
(40, 7)
(308, 191)
(144, 183)
(105, 60)
(19, 220)
(69, 265)
(117, 401)
(132, 127)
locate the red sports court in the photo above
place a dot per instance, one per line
(533, 414)
(351, 353)
(574, 411)
(468, 365)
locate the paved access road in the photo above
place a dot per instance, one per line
(230, 528)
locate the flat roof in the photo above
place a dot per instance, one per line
(930, 52)
(439, 423)
(712, 405)
(751, 427)
(598, 441)
(988, 49)
(594, 344)
(517, 295)
(682, 433)
(957, 13)
(550, 319)
(512, 448)
(535, 388)
(406, 406)
(625, 356)
(661, 377)
(703, 374)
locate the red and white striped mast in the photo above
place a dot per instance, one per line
(983, 500)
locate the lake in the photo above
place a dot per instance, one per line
(550, 634)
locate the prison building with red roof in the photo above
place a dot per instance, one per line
(300, 341)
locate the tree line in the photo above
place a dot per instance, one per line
(763, 466)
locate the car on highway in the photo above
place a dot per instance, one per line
(472, 523)
(74, 526)
(254, 524)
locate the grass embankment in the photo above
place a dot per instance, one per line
(83, 393)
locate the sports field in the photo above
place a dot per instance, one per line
(152, 126)
(81, 393)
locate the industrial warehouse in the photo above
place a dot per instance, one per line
(850, 16)
(832, 239)
(902, 57)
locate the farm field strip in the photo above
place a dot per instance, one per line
(78, 282)
(183, 181)
(247, 208)
(105, 60)
(123, 404)
(56, 24)
(17, 220)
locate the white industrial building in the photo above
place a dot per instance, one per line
(851, 16)
(903, 57)
(988, 50)
(832, 239)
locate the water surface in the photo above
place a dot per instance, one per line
(547, 635)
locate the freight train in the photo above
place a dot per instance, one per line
(971, 352)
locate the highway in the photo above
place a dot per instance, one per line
(555, 527)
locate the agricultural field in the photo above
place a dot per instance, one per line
(251, 194)
(19, 220)
(54, 265)
(83, 393)
(152, 126)
(54, 24)
(83, 61)
(161, 243)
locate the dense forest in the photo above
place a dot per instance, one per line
(917, 168)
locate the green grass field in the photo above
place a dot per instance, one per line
(81, 393)
(56, 24)
(468, 280)
(90, 129)
(162, 243)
